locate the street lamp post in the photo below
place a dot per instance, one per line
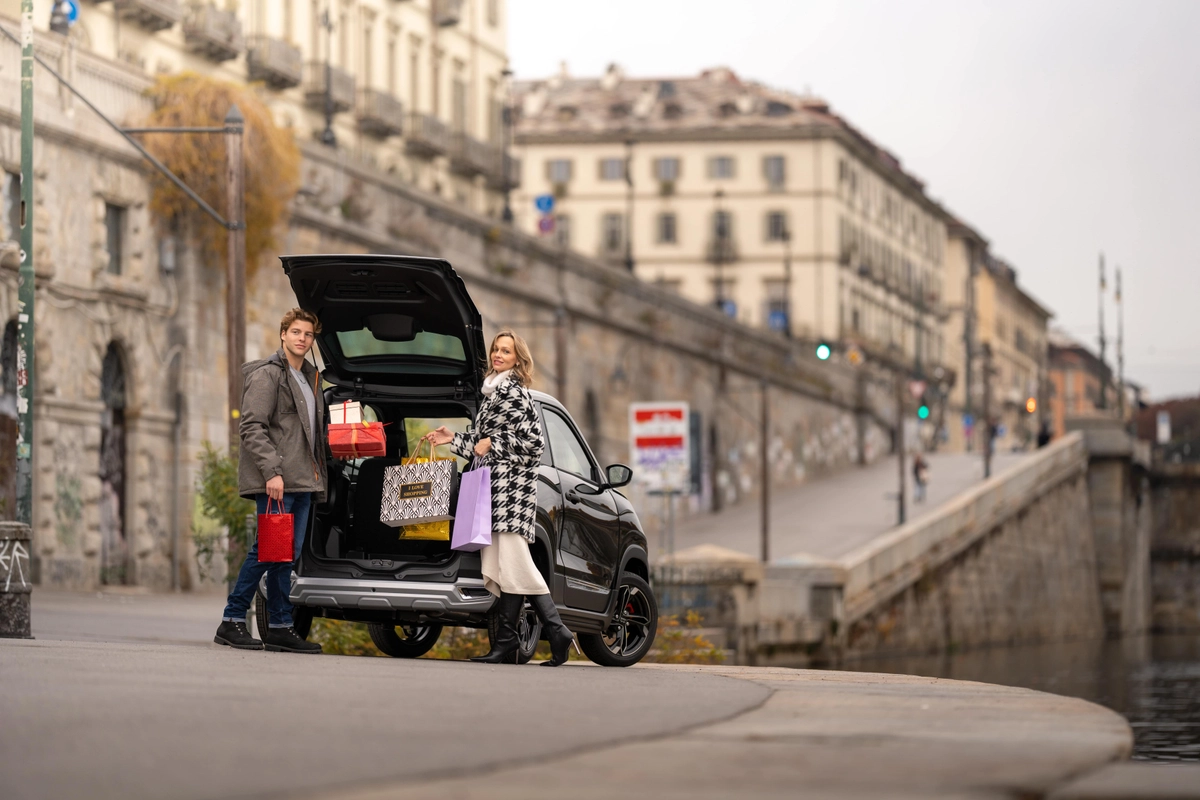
(629, 205)
(328, 137)
(787, 281)
(720, 235)
(506, 159)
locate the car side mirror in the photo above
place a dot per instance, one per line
(618, 475)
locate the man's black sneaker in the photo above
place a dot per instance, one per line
(286, 640)
(234, 634)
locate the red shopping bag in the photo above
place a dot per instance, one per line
(275, 532)
(357, 439)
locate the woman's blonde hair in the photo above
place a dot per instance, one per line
(523, 369)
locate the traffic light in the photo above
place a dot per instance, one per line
(824, 351)
(923, 410)
(1031, 405)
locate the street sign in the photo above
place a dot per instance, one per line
(916, 388)
(968, 420)
(546, 225)
(658, 444)
(544, 203)
(1163, 427)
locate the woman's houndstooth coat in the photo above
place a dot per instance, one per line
(510, 419)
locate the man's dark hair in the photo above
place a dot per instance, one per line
(299, 314)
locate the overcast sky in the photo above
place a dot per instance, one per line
(1059, 130)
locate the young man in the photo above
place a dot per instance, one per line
(282, 458)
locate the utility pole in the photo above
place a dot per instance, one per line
(328, 137)
(987, 410)
(629, 205)
(235, 300)
(765, 435)
(720, 234)
(902, 499)
(1120, 350)
(26, 354)
(969, 339)
(1103, 379)
(506, 159)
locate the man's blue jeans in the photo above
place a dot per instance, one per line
(279, 575)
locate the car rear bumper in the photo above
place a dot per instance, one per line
(466, 595)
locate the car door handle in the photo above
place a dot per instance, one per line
(572, 497)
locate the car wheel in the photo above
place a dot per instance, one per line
(529, 633)
(631, 632)
(404, 641)
(302, 617)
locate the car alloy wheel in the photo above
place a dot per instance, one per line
(302, 616)
(631, 632)
(404, 641)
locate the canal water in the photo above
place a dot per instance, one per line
(1154, 681)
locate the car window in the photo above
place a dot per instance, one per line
(570, 454)
(357, 344)
(416, 427)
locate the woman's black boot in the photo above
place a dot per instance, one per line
(508, 614)
(560, 635)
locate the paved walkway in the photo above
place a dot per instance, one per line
(108, 702)
(831, 516)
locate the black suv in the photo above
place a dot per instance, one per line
(401, 335)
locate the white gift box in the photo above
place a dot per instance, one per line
(346, 412)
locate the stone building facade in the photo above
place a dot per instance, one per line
(131, 338)
(762, 202)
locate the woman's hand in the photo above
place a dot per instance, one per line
(483, 446)
(440, 436)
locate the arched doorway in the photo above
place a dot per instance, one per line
(8, 421)
(114, 549)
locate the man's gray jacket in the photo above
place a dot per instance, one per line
(275, 435)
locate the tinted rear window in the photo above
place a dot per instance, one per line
(358, 344)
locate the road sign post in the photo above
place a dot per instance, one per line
(661, 455)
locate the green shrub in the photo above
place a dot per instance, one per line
(219, 501)
(339, 638)
(676, 644)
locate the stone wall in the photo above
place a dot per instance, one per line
(1175, 547)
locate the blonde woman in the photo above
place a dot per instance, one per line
(507, 437)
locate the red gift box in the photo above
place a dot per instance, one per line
(275, 533)
(357, 439)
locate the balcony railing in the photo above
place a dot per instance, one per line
(469, 156)
(379, 113)
(447, 12)
(426, 136)
(721, 251)
(341, 82)
(274, 62)
(505, 172)
(213, 33)
(153, 15)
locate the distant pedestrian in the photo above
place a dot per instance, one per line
(282, 459)
(920, 469)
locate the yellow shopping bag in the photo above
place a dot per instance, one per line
(427, 531)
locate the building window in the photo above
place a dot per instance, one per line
(724, 292)
(493, 12)
(368, 49)
(666, 169)
(775, 171)
(558, 170)
(612, 233)
(612, 169)
(12, 204)
(721, 167)
(393, 62)
(114, 229)
(777, 226)
(562, 230)
(289, 21)
(667, 233)
(458, 100)
(775, 305)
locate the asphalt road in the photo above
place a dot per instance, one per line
(124, 695)
(833, 515)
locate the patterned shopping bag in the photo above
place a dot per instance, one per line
(419, 490)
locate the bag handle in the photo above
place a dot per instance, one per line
(416, 453)
(278, 504)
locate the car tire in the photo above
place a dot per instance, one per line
(302, 617)
(631, 633)
(416, 641)
(529, 633)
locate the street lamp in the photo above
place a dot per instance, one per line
(720, 237)
(506, 159)
(787, 280)
(629, 205)
(328, 137)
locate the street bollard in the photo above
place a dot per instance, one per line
(15, 586)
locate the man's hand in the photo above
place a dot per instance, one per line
(483, 446)
(441, 436)
(275, 488)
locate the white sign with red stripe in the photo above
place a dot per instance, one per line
(658, 444)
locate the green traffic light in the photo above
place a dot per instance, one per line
(923, 412)
(824, 351)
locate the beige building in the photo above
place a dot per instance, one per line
(989, 312)
(740, 195)
(418, 87)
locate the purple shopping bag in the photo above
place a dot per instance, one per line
(473, 515)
